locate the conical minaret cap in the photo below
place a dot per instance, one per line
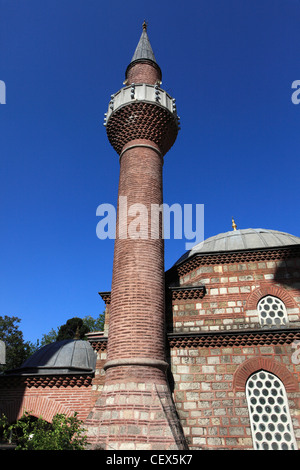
(143, 52)
(144, 49)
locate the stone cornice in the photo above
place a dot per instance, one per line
(106, 296)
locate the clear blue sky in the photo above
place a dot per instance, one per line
(229, 64)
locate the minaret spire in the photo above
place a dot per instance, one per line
(143, 54)
(144, 49)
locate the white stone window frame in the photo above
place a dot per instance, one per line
(270, 420)
(272, 312)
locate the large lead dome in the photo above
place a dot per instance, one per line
(246, 239)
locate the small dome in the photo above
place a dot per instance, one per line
(246, 239)
(61, 357)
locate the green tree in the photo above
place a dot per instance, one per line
(29, 433)
(95, 324)
(74, 328)
(50, 337)
(17, 351)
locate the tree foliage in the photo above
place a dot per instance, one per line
(16, 349)
(50, 337)
(74, 328)
(29, 433)
(95, 324)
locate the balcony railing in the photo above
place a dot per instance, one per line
(140, 92)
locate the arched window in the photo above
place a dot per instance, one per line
(272, 311)
(270, 419)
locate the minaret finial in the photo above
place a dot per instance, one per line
(145, 24)
(233, 224)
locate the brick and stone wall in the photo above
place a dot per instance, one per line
(211, 404)
(232, 293)
(216, 342)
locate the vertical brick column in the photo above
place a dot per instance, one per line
(137, 324)
(135, 409)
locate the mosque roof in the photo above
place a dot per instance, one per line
(60, 357)
(245, 239)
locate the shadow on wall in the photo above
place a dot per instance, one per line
(12, 390)
(288, 273)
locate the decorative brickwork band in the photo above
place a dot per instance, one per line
(99, 345)
(241, 338)
(250, 366)
(75, 381)
(184, 293)
(237, 257)
(223, 339)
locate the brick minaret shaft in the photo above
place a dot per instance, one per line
(136, 322)
(135, 410)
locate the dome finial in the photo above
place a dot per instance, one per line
(145, 24)
(233, 224)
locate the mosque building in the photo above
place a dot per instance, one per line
(203, 356)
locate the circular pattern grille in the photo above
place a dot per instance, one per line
(272, 311)
(269, 413)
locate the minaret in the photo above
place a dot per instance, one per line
(135, 410)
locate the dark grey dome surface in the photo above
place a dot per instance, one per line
(60, 357)
(245, 239)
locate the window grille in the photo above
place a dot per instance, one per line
(271, 424)
(272, 311)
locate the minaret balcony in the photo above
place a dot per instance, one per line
(141, 92)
